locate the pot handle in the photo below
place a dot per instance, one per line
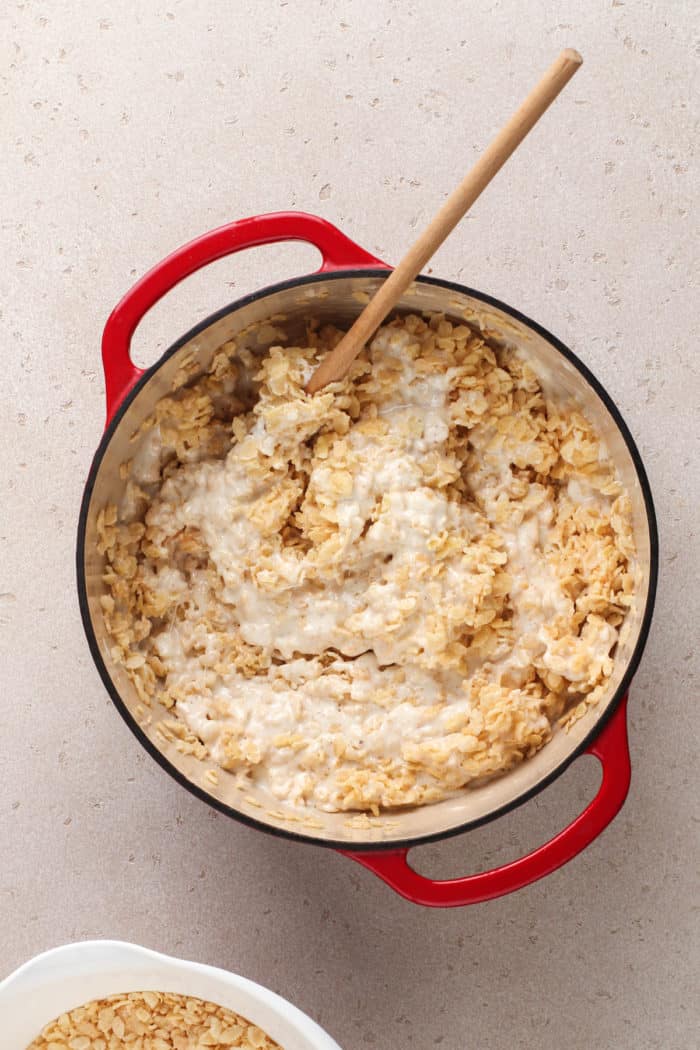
(337, 251)
(611, 748)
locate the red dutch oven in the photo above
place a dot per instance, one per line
(331, 293)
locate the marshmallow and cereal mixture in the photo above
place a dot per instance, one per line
(376, 595)
(151, 1021)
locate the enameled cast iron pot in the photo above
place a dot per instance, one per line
(332, 294)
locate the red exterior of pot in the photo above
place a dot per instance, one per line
(339, 252)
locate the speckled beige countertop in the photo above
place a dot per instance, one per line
(135, 126)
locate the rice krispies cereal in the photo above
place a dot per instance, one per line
(377, 595)
(151, 1021)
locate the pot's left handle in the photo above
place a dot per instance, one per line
(337, 251)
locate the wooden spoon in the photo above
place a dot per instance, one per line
(336, 364)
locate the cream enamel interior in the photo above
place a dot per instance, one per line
(340, 299)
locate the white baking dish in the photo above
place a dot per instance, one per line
(61, 979)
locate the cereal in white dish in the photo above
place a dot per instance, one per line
(151, 1021)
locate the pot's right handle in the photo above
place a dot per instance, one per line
(337, 251)
(611, 748)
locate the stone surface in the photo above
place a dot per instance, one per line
(129, 128)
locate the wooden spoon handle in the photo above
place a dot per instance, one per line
(335, 365)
